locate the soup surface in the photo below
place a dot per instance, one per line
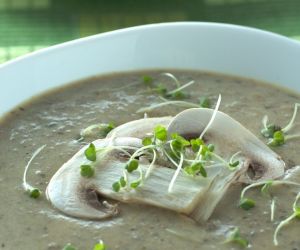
(56, 119)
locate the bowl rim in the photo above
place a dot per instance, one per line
(147, 26)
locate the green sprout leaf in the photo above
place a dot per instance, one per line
(90, 152)
(160, 132)
(161, 90)
(148, 80)
(116, 186)
(269, 131)
(106, 128)
(69, 247)
(297, 212)
(196, 169)
(278, 139)
(132, 165)
(178, 143)
(235, 237)
(122, 182)
(205, 102)
(266, 188)
(87, 171)
(147, 141)
(34, 193)
(234, 164)
(246, 203)
(100, 246)
(196, 143)
(135, 184)
(177, 95)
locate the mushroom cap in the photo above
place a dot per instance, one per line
(77, 196)
(229, 136)
(139, 128)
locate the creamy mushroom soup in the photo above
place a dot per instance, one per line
(57, 118)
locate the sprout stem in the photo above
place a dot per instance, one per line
(151, 166)
(176, 103)
(181, 87)
(212, 117)
(27, 186)
(291, 123)
(281, 225)
(273, 209)
(179, 166)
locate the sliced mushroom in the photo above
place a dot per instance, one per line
(77, 196)
(139, 128)
(229, 137)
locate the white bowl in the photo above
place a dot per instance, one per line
(216, 47)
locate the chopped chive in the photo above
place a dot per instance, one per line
(132, 165)
(116, 186)
(147, 141)
(246, 203)
(87, 171)
(160, 132)
(90, 152)
(34, 193)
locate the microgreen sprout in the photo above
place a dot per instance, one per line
(278, 136)
(32, 191)
(87, 171)
(166, 102)
(148, 80)
(205, 102)
(100, 246)
(69, 247)
(99, 130)
(235, 237)
(295, 214)
(90, 152)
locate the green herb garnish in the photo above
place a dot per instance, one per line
(160, 132)
(100, 246)
(69, 247)
(246, 203)
(148, 80)
(147, 141)
(205, 103)
(90, 152)
(277, 135)
(87, 171)
(235, 237)
(99, 130)
(32, 191)
(135, 184)
(116, 186)
(132, 165)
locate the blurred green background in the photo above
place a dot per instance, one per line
(28, 25)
